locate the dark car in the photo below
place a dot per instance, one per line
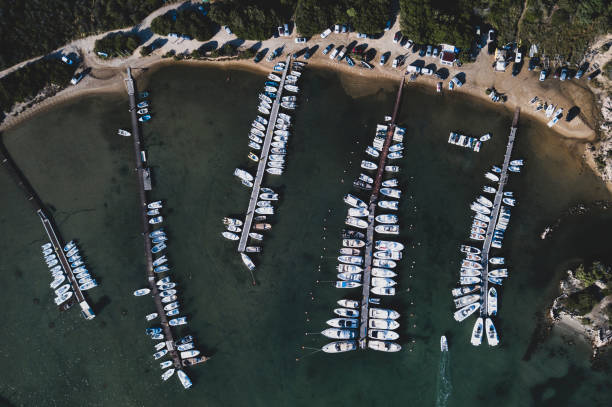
(422, 52)
(403, 41)
(533, 62)
(360, 49)
(594, 74)
(415, 48)
(557, 73)
(397, 37)
(516, 68)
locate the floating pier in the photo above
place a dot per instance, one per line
(143, 174)
(263, 160)
(52, 233)
(367, 271)
(497, 202)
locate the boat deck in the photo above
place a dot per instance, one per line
(146, 227)
(263, 161)
(54, 236)
(367, 270)
(497, 202)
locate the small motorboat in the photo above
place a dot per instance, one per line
(48, 246)
(158, 248)
(392, 168)
(477, 332)
(343, 322)
(167, 293)
(166, 364)
(349, 277)
(496, 260)
(141, 292)
(253, 249)
(159, 239)
(265, 210)
(382, 272)
(383, 290)
(492, 177)
(235, 229)
(347, 284)
(158, 232)
(390, 192)
(492, 302)
(488, 189)
(256, 236)
(171, 306)
(509, 201)
(383, 334)
(254, 145)
(338, 333)
(167, 374)
(389, 264)
(465, 312)
(468, 280)
(388, 255)
(492, 338)
(144, 118)
(375, 323)
(383, 313)
(185, 346)
(262, 226)
(252, 156)
(166, 286)
(387, 229)
(156, 220)
(393, 205)
(178, 321)
(151, 317)
(230, 235)
(387, 218)
(247, 261)
(464, 290)
(384, 346)
(173, 312)
(142, 111)
(339, 347)
(358, 260)
(349, 268)
(356, 222)
(353, 243)
(500, 273)
(189, 353)
(160, 354)
(88, 285)
(155, 205)
(466, 300)
(348, 303)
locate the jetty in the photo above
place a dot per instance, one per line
(263, 160)
(367, 271)
(143, 187)
(497, 203)
(52, 232)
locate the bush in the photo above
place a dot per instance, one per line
(117, 44)
(597, 272)
(191, 22)
(246, 20)
(582, 302)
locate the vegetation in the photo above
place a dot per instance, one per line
(246, 20)
(36, 27)
(582, 302)
(25, 83)
(366, 16)
(597, 272)
(117, 44)
(191, 22)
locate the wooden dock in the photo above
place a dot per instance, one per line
(497, 203)
(263, 161)
(369, 247)
(141, 171)
(52, 233)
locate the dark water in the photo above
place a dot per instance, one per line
(84, 172)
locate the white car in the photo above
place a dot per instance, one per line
(396, 61)
(336, 29)
(334, 53)
(518, 58)
(76, 78)
(325, 33)
(408, 44)
(227, 30)
(300, 40)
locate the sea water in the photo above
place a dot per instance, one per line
(84, 173)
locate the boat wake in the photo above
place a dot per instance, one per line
(444, 387)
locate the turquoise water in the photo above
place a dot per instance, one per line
(84, 173)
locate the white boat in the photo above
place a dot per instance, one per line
(265, 210)
(254, 145)
(291, 88)
(384, 346)
(492, 338)
(466, 300)
(242, 174)
(517, 162)
(509, 201)
(257, 139)
(488, 189)
(395, 155)
(492, 302)
(278, 144)
(185, 381)
(467, 280)
(349, 268)
(466, 289)
(230, 235)
(274, 171)
(166, 286)
(72, 252)
(353, 242)
(484, 201)
(63, 289)
(338, 333)
(247, 261)
(383, 290)
(501, 273)
(356, 222)
(393, 182)
(396, 147)
(372, 151)
(383, 313)
(343, 322)
(167, 293)
(514, 168)
(142, 111)
(57, 281)
(386, 218)
(347, 284)
(264, 204)
(185, 346)
(349, 277)
(358, 212)
(491, 176)
(270, 89)
(443, 344)
(158, 248)
(171, 306)
(475, 236)
(388, 245)
(339, 347)
(88, 285)
(392, 168)
(471, 265)
(274, 77)
(350, 251)
(482, 217)
(375, 323)
(348, 303)
(470, 273)
(156, 220)
(476, 207)
(465, 312)
(382, 272)
(368, 165)
(354, 201)
(263, 110)
(167, 374)
(389, 264)
(382, 282)
(168, 299)
(59, 300)
(388, 255)
(477, 332)
(166, 364)
(151, 316)
(346, 312)
(387, 229)
(383, 334)
(393, 193)
(351, 259)
(256, 236)
(160, 354)
(141, 292)
(485, 137)
(277, 157)
(178, 321)
(393, 205)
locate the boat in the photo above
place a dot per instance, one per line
(354, 201)
(166, 286)
(465, 312)
(351, 259)
(383, 334)
(158, 232)
(142, 104)
(72, 252)
(264, 98)
(141, 292)
(185, 346)
(496, 169)
(382, 272)
(185, 381)
(349, 268)
(356, 222)
(492, 302)
(48, 246)
(509, 201)
(346, 312)
(265, 210)
(393, 193)
(339, 346)
(386, 218)
(383, 290)
(395, 155)
(388, 255)
(271, 89)
(254, 145)
(279, 144)
(467, 280)
(157, 337)
(171, 306)
(142, 111)
(158, 248)
(383, 313)
(289, 98)
(160, 354)
(274, 171)
(60, 299)
(368, 165)
(75, 264)
(151, 317)
(338, 333)
(479, 224)
(260, 218)
(247, 261)
(492, 338)
(167, 374)
(88, 285)
(477, 332)
(350, 251)
(389, 264)
(466, 300)
(517, 162)
(167, 293)
(178, 321)
(349, 277)
(166, 364)
(347, 284)
(262, 226)
(348, 303)
(478, 231)
(144, 118)
(353, 242)
(253, 249)
(256, 236)
(384, 346)
(466, 289)
(476, 207)
(488, 189)
(484, 201)
(509, 194)
(52, 263)
(343, 322)
(443, 344)
(230, 235)
(514, 168)
(258, 126)
(256, 138)
(156, 220)
(393, 205)
(263, 204)
(281, 133)
(372, 151)
(388, 245)
(277, 157)
(352, 234)
(500, 273)
(375, 323)
(387, 229)
(492, 177)
(383, 282)
(482, 217)
(63, 289)
(263, 110)
(393, 182)
(496, 260)
(160, 345)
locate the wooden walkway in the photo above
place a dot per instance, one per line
(54, 236)
(263, 161)
(367, 270)
(145, 225)
(497, 203)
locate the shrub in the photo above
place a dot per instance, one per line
(117, 44)
(190, 22)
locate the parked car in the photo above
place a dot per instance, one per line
(336, 29)
(579, 74)
(388, 25)
(300, 40)
(491, 35)
(422, 52)
(408, 44)
(435, 52)
(325, 33)
(327, 49)
(287, 31)
(397, 37)
(281, 31)
(563, 74)
(533, 62)
(308, 54)
(428, 51)
(403, 41)
(349, 61)
(543, 74)
(341, 54)
(397, 61)
(594, 74)
(66, 60)
(383, 59)
(227, 30)
(76, 78)
(362, 35)
(335, 52)
(344, 28)
(518, 57)
(457, 82)
(516, 68)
